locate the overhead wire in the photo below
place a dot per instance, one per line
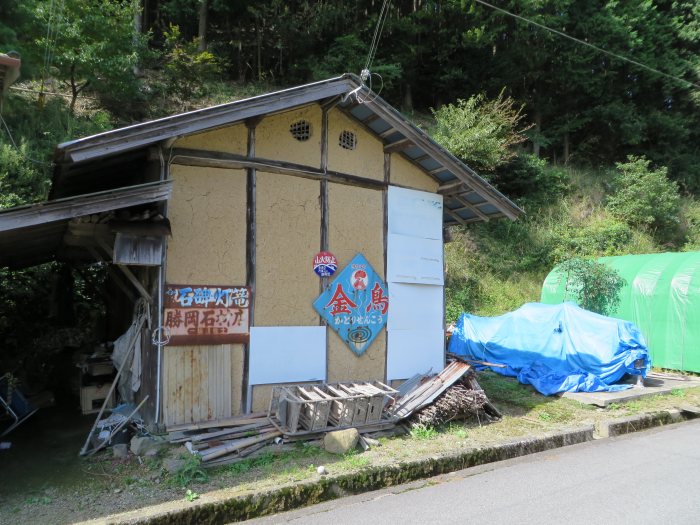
(52, 27)
(14, 144)
(592, 46)
(366, 74)
(383, 14)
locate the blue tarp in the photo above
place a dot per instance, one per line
(555, 348)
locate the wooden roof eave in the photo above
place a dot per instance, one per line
(139, 135)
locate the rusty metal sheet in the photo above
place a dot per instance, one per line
(203, 314)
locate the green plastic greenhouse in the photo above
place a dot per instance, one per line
(662, 297)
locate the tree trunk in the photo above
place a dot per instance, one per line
(202, 33)
(567, 148)
(538, 129)
(258, 38)
(408, 98)
(138, 29)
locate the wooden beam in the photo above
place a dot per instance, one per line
(472, 207)
(449, 188)
(215, 159)
(251, 247)
(71, 207)
(423, 157)
(330, 103)
(455, 216)
(398, 145)
(387, 133)
(370, 119)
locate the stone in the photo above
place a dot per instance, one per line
(322, 470)
(172, 465)
(341, 441)
(142, 445)
(120, 451)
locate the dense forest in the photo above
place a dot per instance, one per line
(585, 112)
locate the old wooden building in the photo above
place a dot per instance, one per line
(265, 198)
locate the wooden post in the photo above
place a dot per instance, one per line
(251, 176)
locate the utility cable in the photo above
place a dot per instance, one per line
(592, 46)
(12, 140)
(383, 15)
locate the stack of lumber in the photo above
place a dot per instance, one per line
(225, 440)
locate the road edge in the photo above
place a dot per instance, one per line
(219, 508)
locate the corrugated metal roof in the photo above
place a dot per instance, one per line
(469, 198)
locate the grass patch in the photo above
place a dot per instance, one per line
(423, 432)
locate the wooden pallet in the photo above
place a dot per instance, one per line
(307, 409)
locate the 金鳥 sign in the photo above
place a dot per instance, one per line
(355, 305)
(206, 314)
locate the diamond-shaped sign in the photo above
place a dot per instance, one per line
(355, 305)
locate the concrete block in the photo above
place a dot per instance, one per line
(142, 445)
(341, 441)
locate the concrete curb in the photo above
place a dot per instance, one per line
(627, 425)
(221, 507)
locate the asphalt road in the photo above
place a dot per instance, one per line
(647, 477)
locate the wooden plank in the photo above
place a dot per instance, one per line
(70, 207)
(226, 389)
(232, 421)
(215, 159)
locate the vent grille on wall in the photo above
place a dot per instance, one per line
(347, 140)
(300, 130)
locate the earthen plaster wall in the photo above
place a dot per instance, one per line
(274, 141)
(231, 139)
(367, 160)
(288, 225)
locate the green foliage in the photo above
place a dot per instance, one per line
(95, 48)
(423, 432)
(530, 181)
(347, 54)
(186, 69)
(480, 131)
(593, 285)
(690, 223)
(190, 472)
(20, 180)
(643, 197)
(190, 496)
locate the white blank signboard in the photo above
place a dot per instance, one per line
(415, 213)
(415, 306)
(414, 260)
(412, 352)
(287, 354)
